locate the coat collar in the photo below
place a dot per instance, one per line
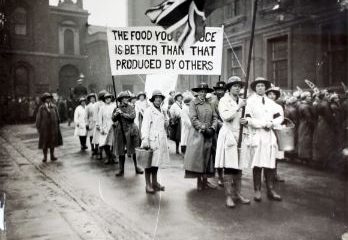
(198, 101)
(155, 111)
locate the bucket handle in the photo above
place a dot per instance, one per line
(292, 124)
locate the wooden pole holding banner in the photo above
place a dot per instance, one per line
(248, 69)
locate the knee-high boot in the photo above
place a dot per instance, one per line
(53, 158)
(270, 179)
(228, 190)
(237, 183)
(120, 171)
(148, 187)
(138, 170)
(108, 155)
(44, 154)
(155, 184)
(183, 149)
(100, 152)
(277, 177)
(257, 183)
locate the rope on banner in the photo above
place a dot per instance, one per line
(229, 43)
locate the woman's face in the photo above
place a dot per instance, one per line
(47, 100)
(141, 97)
(124, 100)
(108, 100)
(202, 93)
(92, 99)
(260, 89)
(157, 101)
(179, 99)
(272, 96)
(83, 103)
(235, 89)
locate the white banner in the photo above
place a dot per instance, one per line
(150, 50)
(164, 83)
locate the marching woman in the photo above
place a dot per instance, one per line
(185, 123)
(105, 124)
(227, 159)
(91, 120)
(199, 156)
(154, 136)
(140, 107)
(80, 120)
(125, 132)
(47, 124)
(175, 120)
(261, 146)
(96, 133)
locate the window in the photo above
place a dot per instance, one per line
(278, 61)
(334, 53)
(232, 9)
(19, 21)
(235, 58)
(69, 42)
(21, 83)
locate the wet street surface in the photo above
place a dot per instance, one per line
(78, 197)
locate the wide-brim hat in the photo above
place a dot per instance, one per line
(275, 90)
(101, 94)
(156, 93)
(82, 99)
(203, 86)
(141, 94)
(122, 95)
(178, 94)
(220, 85)
(260, 80)
(132, 96)
(45, 96)
(234, 80)
(91, 95)
(107, 95)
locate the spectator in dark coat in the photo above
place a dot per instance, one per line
(47, 124)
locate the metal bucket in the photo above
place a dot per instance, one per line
(286, 136)
(144, 157)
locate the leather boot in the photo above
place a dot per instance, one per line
(45, 155)
(53, 158)
(138, 170)
(120, 171)
(183, 149)
(220, 177)
(100, 153)
(148, 187)
(237, 183)
(228, 191)
(270, 178)
(155, 184)
(108, 155)
(257, 183)
(199, 183)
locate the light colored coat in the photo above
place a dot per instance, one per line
(185, 124)
(227, 143)
(140, 107)
(105, 121)
(80, 120)
(153, 129)
(261, 144)
(96, 132)
(91, 119)
(175, 110)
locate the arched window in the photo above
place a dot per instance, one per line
(19, 21)
(21, 81)
(69, 42)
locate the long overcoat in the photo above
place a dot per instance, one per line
(185, 124)
(305, 130)
(80, 120)
(199, 156)
(128, 128)
(227, 144)
(105, 123)
(153, 129)
(175, 116)
(91, 119)
(96, 132)
(47, 124)
(261, 144)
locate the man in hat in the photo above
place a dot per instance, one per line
(227, 158)
(175, 120)
(261, 117)
(47, 124)
(80, 120)
(219, 92)
(80, 90)
(126, 133)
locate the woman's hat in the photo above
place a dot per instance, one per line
(122, 95)
(132, 96)
(156, 93)
(82, 99)
(220, 85)
(275, 90)
(187, 99)
(91, 95)
(178, 94)
(203, 86)
(260, 80)
(101, 94)
(234, 80)
(141, 94)
(45, 96)
(107, 95)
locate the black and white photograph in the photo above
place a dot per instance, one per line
(173, 119)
